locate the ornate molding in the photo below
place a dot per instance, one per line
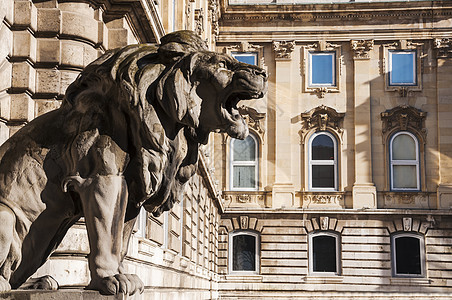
(321, 91)
(253, 118)
(323, 199)
(361, 48)
(283, 49)
(404, 117)
(199, 21)
(214, 16)
(443, 47)
(238, 198)
(245, 47)
(322, 117)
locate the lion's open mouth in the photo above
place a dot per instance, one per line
(230, 105)
(236, 126)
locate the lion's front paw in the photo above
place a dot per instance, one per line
(42, 283)
(127, 284)
(4, 285)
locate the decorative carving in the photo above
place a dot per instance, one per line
(407, 224)
(253, 118)
(321, 91)
(322, 117)
(321, 198)
(244, 222)
(243, 198)
(214, 14)
(199, 21)
(362, 48)
(105, 153)
(406, 199)
(443, 47)
(324, 223)
(245, 47)
(404, 117)
(251, 198)
(283, 49)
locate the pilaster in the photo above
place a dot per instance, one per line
(444, 97)
(283, 190)
(364, 190)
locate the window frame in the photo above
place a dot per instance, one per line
(415, 162)
(333, 70)
(254, 163)
(321, 89)
(334, 162)
(390, 67)
(421, 239)
(337, 238)
(256, 235)
(402, 46)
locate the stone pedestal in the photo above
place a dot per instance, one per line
(444, 196)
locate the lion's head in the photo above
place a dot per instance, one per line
(202, 88)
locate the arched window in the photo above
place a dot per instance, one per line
(243, 252)
(404, 161)
(243, 164)
(324, 253)
(323, 161)
(408, 254)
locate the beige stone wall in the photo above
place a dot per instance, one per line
(362, 94)
(364, 210)
(365, 252)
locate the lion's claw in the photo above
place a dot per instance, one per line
(4, 285)
(127, 284)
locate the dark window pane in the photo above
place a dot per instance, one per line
(322, 148)
(408, 255)
(323, 176)
(324, 254)
(244, 253)
(244, 150)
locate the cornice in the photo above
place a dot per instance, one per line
(334, 12)
(141, 14)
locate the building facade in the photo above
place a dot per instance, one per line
(343, 188)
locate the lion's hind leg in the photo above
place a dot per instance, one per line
(7, 222)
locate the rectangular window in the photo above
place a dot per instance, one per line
(322, 68)
(246, 57)
(324, 253)
(402, 68)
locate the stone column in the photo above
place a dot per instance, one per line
(282, 189)
(444, 98)
(364, 190)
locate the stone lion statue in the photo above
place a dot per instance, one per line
(126, 136)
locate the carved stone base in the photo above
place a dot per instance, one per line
(444, 196)
(364, 196)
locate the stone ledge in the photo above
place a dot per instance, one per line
(62, 295)
(158, 293)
